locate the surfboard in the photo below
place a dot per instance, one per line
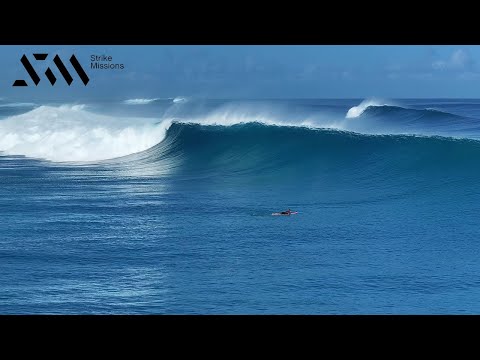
(280, 214)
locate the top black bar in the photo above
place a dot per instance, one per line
(326, 23)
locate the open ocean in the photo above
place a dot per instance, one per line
(163, 206)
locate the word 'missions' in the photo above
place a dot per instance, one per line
(104, 62)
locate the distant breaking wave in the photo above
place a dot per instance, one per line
(140, 101)
(179, 100)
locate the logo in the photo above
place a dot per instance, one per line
(49, 74)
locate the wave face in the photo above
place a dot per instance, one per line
(323, 159)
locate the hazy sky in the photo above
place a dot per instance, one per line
(251, 72)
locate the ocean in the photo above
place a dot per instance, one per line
(164, 206)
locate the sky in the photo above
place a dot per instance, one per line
(259, 71)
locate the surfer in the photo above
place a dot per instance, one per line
(288, 212)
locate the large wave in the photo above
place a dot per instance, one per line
(73, 133)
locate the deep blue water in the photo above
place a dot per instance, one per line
(388, 203)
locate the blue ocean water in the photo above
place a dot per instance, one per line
(164, 206)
